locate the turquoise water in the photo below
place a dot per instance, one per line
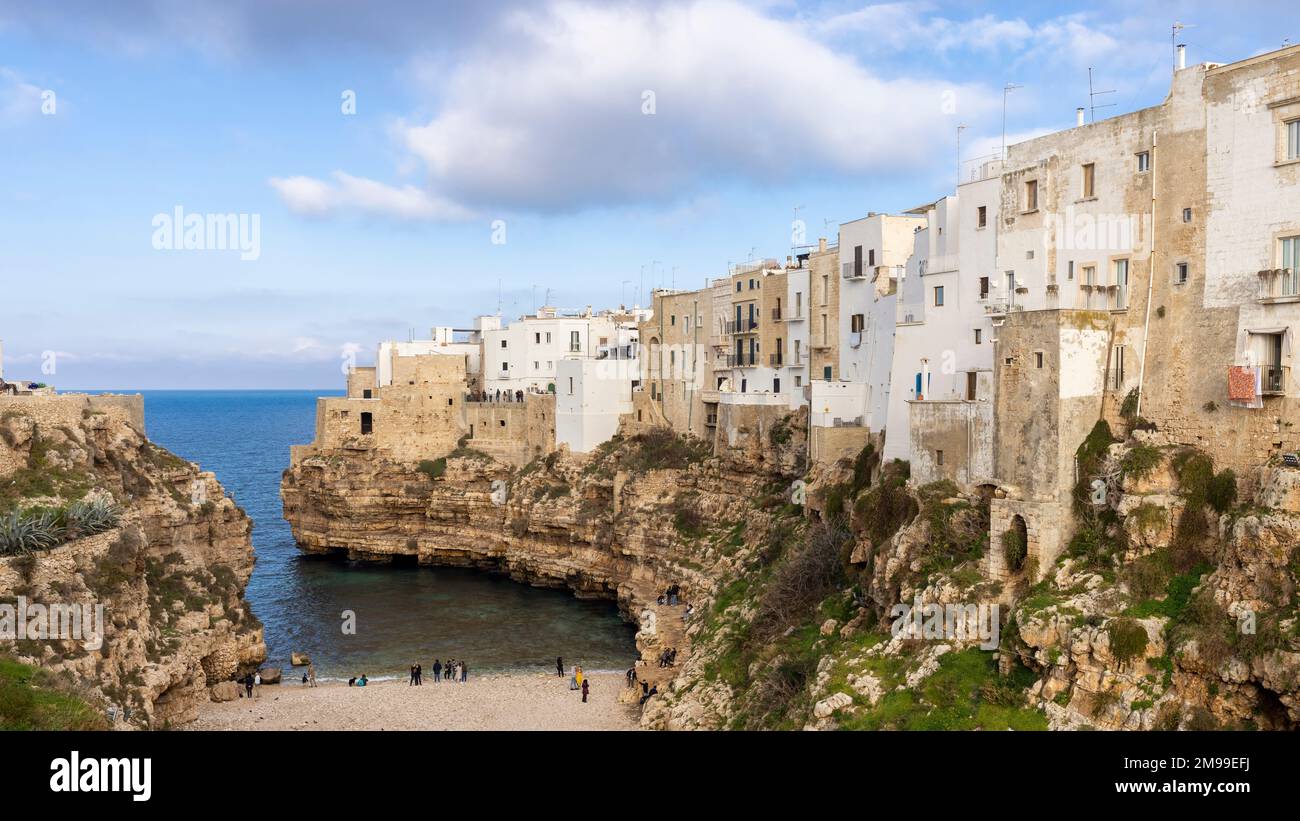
(403, 614)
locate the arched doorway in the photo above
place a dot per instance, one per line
(1015, 544)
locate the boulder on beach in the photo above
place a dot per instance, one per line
(299, 659)
(224, 691)
(271, 676)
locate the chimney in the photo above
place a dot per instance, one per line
(1182, 56)
(1078, 116)
(821, 245)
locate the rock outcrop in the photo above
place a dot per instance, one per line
(169, 572)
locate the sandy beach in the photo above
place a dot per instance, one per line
(507, 701)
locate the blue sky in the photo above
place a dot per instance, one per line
(531, 114)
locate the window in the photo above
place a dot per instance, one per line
(1180, 273)
(826, 288)
(1069, 270)
(1031, 195)
(737, 286)
(979, 336)
(826, 372)
(575, 341)
(548, 337)
(537, 338)
(1187, 215)
(1121, 284)
(1038, 359)
(1290, 256)
(1117, 372)
(503, 343)
(798, 381)
(1144, 162)
(776, 385)
(367, 423)
(871, 257)
(1089, 178)
(982, 216)
(570, 386)
(938, 296)
(366, 394)
(984, 287)
(1293, 140)
(856, 323)
(672, 320)
(857, 260)
(938, 457)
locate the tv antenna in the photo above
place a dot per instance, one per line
(1173, 41)
(1007, 89)
(1092, 98)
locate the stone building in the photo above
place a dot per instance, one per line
(1144, 256)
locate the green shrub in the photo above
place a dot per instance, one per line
(1128, 408)
(24, 531)
(1128, 639)
(433, 468)
(1221, 493)
(85, 517)
(1014, 549)
(1140, 462)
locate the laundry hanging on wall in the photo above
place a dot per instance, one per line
(1245, 386)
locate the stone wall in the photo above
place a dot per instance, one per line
(514, 432)
(962, 431)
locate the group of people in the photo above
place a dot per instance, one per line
(358, 682)
(671, 596)
(309, 676)
(252, 685)
(451, 671)
(495, 396)
(577, 681)
(668, 657)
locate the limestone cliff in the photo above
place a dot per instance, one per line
(795, 588)
(169, 563)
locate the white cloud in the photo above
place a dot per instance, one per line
(547, 113)
(19, 100)
(311, 196)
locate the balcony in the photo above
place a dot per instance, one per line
(776, 314)
(744, 326)
(1279, 285)
(852, 271)
(776, 360)
(1276, 380)
(795, 315)
(741, 360)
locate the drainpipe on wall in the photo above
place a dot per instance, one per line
(1151, 275)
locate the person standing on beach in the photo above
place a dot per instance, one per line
(311, 675)
(586, 685)
(464, 672)
(437, 671)
(559, 667)
(248, 684)
(257, 689)
(419, 675)
(411, 683)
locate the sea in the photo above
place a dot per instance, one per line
(403, 614)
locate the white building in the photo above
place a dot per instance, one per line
(873, 254)
(943, 344)
(441, 343)
(525, 354)
(590, 395)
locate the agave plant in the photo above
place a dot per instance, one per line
(92, 515)
(22, 532)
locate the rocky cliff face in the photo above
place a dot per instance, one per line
(1139, 625)
(169, 567)
(643, 513)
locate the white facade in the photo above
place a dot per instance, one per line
(590, 394)
(525, 354)
(873, 254)
(797, 353)
(943, 345)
